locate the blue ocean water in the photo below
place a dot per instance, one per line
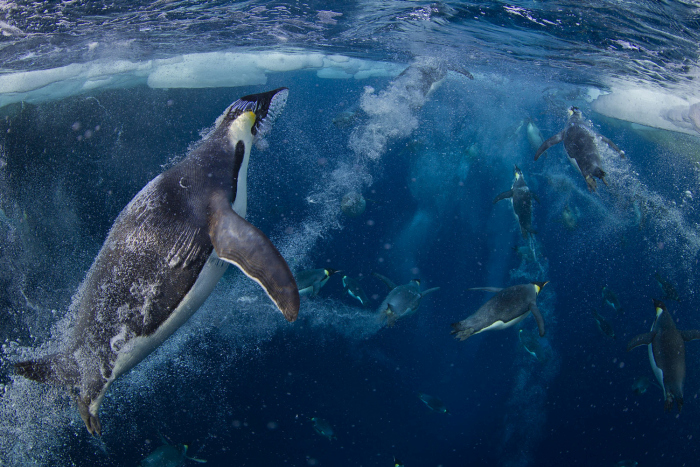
(98, 99)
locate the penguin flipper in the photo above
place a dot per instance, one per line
(535, 197)
(538, 317)
(487, 289)
(385, 279)
(504, 195)
(549, 143)
(641, 339)
(238, 242)
(690, 334)
(613, 146)
(426, 292)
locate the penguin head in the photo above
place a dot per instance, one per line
(539, 285)
(330, 272)
(518, 172)
(415, 281)
(575, 112)
(659, 306)
(265, 107)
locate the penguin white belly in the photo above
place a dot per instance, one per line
(658, 372)
(138, 348)
(498, 325)
(575, 164)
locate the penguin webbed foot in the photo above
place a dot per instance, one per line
(92, 421)
(668, 403)
(460, 331)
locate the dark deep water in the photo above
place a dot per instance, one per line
(238, 384)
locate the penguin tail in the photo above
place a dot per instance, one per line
(53, 369)
(390, 318)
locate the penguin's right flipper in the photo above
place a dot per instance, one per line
(426, 292)
(238, 242)
(538, 317)
(487, 289)
(385, 279)
(504, 195)
(690, 334)
(641, 339)
(549, 143)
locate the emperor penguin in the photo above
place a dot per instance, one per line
(666, 347)
(311, 280)
(402, 300)
(163, 256)
(581, 147)
(521, 198)
(355, 290)
(508, 307)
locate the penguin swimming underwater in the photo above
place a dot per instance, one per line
(668, 289)
(311, 280)
(355, 290)
(508, 307)
(163, 256)
(610, 298)
(666, 346)
(603, 325)
(580, 145)
(323, 428)
(521, 198)
(433, 403)
(402, 300)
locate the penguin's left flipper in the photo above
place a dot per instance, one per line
(549, 143)
(641, 339)
(504, 195)
(690, 334)
(487, 289)
(613, 146)
(241, 243)
(535, 197)
(538, 317)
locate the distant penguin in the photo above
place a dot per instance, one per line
(508, 307)
(521, 198)
(534, 136)
(603, 326)
(164, 255)
(433, 403)
(581, 147)
(311, 281)
(323, 428)
(402, 300)
(668, 289)
(666, 346)
(610, 299)
(355, 290)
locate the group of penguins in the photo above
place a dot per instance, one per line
(511, 305)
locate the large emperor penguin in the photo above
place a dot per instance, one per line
(666, 346)
(508, 307)
(581, 147)
(402, 300)
(163, 256)
(521, 198)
